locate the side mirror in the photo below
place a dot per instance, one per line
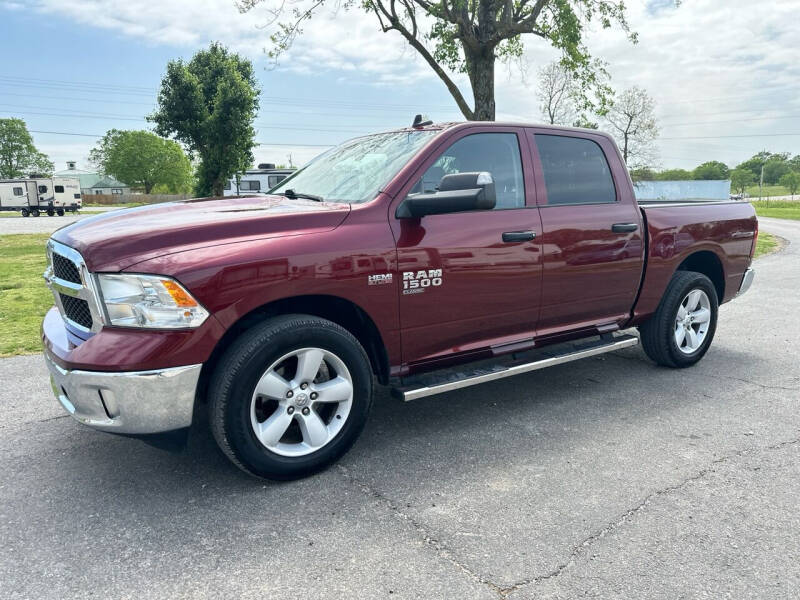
(459, 192)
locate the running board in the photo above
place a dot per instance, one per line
(460, 379)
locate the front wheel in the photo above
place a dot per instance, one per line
(24, 212)
(682, 328)
(290, 397)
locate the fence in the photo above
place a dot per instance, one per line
(110, 199)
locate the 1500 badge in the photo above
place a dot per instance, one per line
(416, 282)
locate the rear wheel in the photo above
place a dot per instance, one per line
(51, 212)
(683, 326)
(60, 212)
(35, 212)
(24, 212)
(290, 397)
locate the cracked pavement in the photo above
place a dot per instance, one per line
(606, 478)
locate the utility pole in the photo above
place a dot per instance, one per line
(290, 160)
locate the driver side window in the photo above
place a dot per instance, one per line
(497, 153)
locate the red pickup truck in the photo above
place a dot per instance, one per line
(426, 259)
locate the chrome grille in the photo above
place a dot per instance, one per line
(65, 269)
(73, 287)
(77, 310)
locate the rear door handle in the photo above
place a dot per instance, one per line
(518, 236)
(624, 227)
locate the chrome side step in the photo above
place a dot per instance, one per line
(461, 380)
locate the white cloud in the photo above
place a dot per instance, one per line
(703, 61)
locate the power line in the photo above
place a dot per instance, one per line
(94, 135)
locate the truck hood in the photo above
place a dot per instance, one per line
(119, 239)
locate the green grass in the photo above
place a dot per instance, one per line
(780, 209)
(767, 190)
(122, 205)
(24, 298)
(766, 243)
(16, 215)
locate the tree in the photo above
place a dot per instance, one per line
(741, 179)
(791, 181)
(775, 167)
(712, 169)
(142, 159)
(18, 155)
(632, 121)
(209, 104)
(469, 37)
(755, 164)
(556, 89)
(674, 175)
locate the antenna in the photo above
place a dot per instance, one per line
(421, 121)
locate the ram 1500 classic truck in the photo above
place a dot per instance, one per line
(426, 259)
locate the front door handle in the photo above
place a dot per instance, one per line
(518, 236)
(624, 227)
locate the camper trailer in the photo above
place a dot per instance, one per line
(66, 194)
(34, 196)
(256, 181)
(19, 195)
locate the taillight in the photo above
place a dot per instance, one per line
(755, 241)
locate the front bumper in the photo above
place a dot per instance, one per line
(132, 402)
(747, 281)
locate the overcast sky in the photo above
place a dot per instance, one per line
(725, 74)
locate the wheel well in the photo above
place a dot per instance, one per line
(340, 311)
(707, 263)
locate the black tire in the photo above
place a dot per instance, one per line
(235, 377)
(658, 333)
(34, 212)
(24, 212)
(51, 212)
(60, 212)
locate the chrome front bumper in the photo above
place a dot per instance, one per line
(133, 402)
(747, 281)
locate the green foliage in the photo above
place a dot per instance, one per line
(712, 169)
(791, 181)
(674, 175)
(18, 155)
(468, 37)
(776, 167)
(741, 178)
(24, 298)
(143, 159)
(642, 174)
(766, 244)
(209, 104)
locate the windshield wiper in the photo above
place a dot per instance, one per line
(292, 195)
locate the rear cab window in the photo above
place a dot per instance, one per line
(575, 170)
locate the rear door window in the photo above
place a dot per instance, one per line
(575, 171)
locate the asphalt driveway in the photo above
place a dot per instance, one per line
(605, 478)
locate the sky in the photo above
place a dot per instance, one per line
(724, 74)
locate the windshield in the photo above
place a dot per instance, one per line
(355, 171)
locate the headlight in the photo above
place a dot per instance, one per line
(149, 301)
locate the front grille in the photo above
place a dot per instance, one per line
(77, 310)
(65, 269)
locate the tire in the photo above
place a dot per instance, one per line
(51, 212)
(34, 212)
(60, 212)
(661, 334)
(24, 212)
(268, 355)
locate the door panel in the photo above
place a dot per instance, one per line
(592, 269)
(462, 287)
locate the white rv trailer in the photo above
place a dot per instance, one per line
(256, 181)
(34, 196)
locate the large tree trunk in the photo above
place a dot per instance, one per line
(480, 68)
